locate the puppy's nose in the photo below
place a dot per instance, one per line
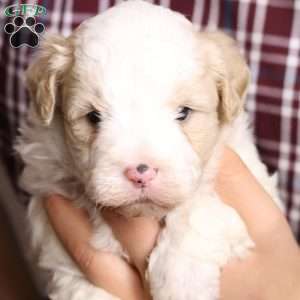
(141, 175)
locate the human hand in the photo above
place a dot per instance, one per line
(272, 270)
(103, 269)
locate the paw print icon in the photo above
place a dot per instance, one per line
(24, 31)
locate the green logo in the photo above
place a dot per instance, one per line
(25, 10)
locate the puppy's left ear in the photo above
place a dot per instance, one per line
(232, 75)
(44, 76)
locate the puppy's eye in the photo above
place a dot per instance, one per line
(94, 117)
(183, 113)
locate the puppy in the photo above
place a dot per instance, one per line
(132, 112)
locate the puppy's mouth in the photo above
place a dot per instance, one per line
(142, 203)
(145, 207)
(147, 201)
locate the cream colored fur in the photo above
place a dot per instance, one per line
(137, 64)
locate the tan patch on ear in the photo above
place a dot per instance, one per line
(230, 104)
(45, 99)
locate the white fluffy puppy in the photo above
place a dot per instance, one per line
(131, 112)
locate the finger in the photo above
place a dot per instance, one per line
(69, 222)
(102, 268)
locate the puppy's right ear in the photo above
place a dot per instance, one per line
(45, 74)
(230, 71)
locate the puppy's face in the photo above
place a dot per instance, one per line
(141, 113)
(112, 130)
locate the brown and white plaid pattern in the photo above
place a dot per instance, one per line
(268, 32)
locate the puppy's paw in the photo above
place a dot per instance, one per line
(180, 277)
(237, 234)
(220, 233)
(186, 263)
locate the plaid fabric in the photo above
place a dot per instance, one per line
(268, 31)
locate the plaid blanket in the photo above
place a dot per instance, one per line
(268, 31)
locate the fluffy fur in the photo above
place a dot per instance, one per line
(137, 65)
